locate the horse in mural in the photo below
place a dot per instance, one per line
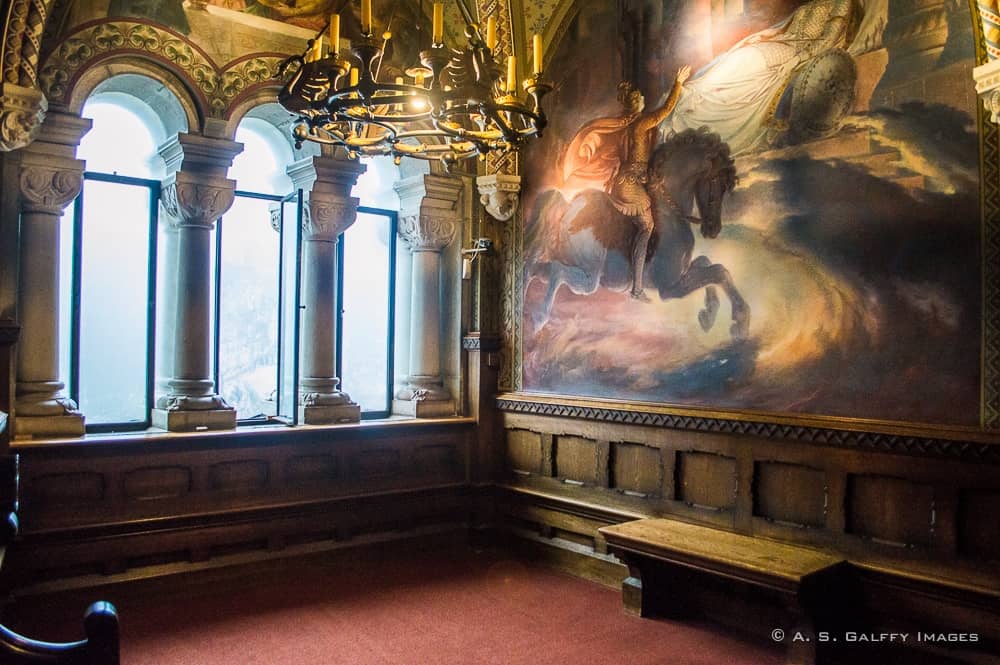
(586, 243)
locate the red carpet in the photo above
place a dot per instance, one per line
(432, 608)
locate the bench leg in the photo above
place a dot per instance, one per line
(633, 593)
(653, 590)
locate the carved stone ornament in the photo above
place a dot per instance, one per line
(428, 232)
(49, 189)
(22, 111)
(328, 217)
(500, 195)
(192, 201)
(987, 78)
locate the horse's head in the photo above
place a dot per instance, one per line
(693, 166)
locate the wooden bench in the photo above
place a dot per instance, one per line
(669, 560)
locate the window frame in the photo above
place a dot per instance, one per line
(393, 217)
(76, 299)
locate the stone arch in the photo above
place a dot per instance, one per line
(211, 88)
(146, 81)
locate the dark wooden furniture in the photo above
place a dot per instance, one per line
(669, 561)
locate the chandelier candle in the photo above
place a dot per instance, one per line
(536, 47)
(491, 33)
(366, 16)
(335, 34)
(438, 24)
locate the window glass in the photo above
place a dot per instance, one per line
(366, 314)
(248, 273)
(124, 137)
(375, 186)
(114, 316)
(266, 154)
(248, 308)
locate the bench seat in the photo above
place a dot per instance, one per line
(809, 586)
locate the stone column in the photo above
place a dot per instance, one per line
(193, 197)
(332, 210)
(50, 178)
(428, 222)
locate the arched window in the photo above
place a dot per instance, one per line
(109, 276)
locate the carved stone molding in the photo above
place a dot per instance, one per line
(48, 189)
(190, 200)
(987, 78)
(428, 232)
(328, 217)
(22, 111)
(429, 211)
(499, 194)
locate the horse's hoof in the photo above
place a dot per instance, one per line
(640, 296)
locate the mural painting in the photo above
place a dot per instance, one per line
(759, 206)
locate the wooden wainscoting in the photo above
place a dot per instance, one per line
(114, 505)
(921, 521)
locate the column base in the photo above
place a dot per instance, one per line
(38, 427)
(175, 420)
(329, 414)
(424, 408)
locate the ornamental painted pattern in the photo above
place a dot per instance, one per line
(217, 88)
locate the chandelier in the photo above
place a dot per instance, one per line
(452, 105)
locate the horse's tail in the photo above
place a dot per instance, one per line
(541, 228)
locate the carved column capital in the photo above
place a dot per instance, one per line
(196, 200)
(329, 216)
(429, 211)
(987, 78)
(428, 232)
(499, 194)
(49, 188)
(22, 111)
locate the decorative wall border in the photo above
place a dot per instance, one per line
(882, 442)
(216, 89)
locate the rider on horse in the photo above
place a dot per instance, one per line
(617, 150)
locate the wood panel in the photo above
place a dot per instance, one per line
(524, 451)
(238, 476)
(979, 524)
(148, 500)
(307, 469)
(378, 463)
(706, 480)
(575, 459)
(789, 493)
(436, 457)
(636, 469)
(890, 510)
(59, 488)
(157, 482)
